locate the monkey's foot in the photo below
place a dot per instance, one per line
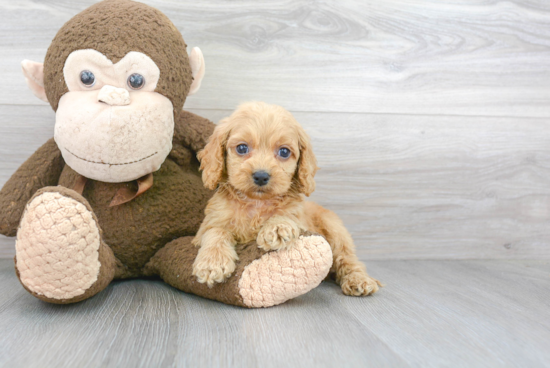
(260, 279)
(59, 251)
(285, 274)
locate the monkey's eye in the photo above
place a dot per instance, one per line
(136, 81)
(242, 149)
(87, 78)
(284, 152)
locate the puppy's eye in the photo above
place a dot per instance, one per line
(87, 78)
(136, 81)
(284, 152)
(242, 149)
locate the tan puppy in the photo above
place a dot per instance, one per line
(262, 163)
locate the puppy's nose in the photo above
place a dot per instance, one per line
(261, 178)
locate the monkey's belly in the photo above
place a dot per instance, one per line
(173, 207)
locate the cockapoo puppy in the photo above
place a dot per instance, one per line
(262, 163)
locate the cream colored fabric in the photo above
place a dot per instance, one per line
(198, 68)
(285, 274)
(57, 247)
(108, 131)
(114, 143)
(34, 76)
(114, 96)
(107, 73)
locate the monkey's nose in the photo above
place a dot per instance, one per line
(261, 178)
(113, 96)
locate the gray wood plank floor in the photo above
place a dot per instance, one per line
(430, 314)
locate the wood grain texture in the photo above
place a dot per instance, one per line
(436, 187)
(430, 123)
(483, 57)
(461, 313)
(429, 178)
(430, 314)
(406, 186)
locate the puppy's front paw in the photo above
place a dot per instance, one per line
(278, 235)
(214, 264)
(358, 284)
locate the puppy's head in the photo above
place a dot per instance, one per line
(260, 150)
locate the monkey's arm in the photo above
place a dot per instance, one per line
(190, 135)
(42, 169)
(192, 131)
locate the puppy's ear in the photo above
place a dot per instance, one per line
(307, 165)
(212, 157)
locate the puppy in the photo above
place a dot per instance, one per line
(261, 161)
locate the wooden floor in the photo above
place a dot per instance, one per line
(430, 314)
(430, 122)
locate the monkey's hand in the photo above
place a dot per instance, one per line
(278, 232)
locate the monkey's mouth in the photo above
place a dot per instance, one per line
(112, 164)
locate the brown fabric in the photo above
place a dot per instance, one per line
(126, 194)
(174, 264)
(114, 28)
(43, 168)
(80, 183)
(172, 208)
(106, 256)
(136, 230)
(192, 131)
(183, 156)
(156, 227)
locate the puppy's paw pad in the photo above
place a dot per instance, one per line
(358, 284)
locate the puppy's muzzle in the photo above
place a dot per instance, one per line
(261, 178)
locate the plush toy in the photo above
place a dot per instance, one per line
(117, 193)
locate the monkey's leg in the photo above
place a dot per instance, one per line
(60, 255)
(261, 279)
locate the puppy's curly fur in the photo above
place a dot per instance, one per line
(256, 138)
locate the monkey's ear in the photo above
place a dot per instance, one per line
(212, 157)
(197, 67)
(34, 76)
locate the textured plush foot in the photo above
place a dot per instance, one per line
(279, 276)
(214, 265)
(278, 233)
(359, 284)
(57, 247)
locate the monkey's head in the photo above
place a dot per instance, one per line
(116, 74)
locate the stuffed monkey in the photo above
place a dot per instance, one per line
(117, 193)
